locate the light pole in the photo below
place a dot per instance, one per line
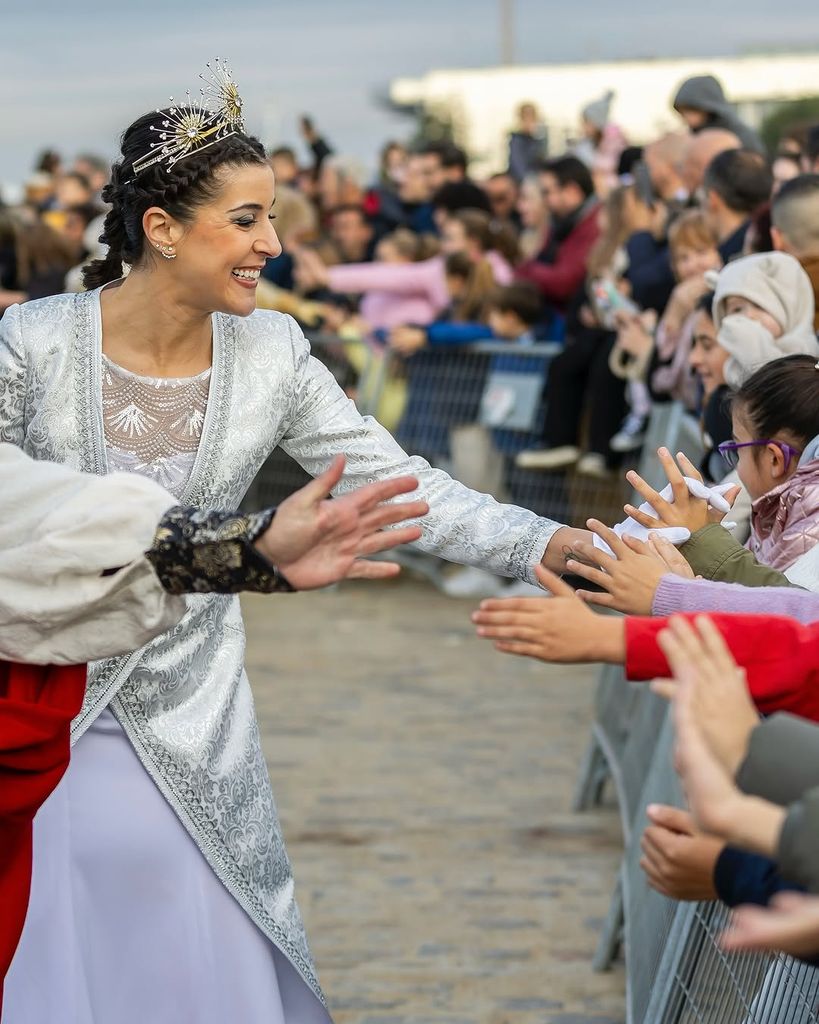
(507, 31)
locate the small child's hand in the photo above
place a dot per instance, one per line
(686, 510)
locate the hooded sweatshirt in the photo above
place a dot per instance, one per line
(776, 282)
(704, 92)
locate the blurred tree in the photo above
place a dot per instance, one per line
(794, 117)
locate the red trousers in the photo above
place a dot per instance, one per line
(37, 704)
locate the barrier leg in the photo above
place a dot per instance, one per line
(594, 772)
(611, 938)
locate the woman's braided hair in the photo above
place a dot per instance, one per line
(179, 191)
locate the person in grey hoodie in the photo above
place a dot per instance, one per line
(701, 103)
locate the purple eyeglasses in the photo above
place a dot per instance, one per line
(729, 450)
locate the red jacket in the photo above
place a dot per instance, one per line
(559, 281)
(37, 705)
(780, 657)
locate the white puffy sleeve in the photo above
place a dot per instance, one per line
(463, 525)
(60, 530)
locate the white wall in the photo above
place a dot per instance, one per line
(482, 102)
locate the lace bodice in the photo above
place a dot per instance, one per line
(153, 424)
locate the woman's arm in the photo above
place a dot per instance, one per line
(463, 525)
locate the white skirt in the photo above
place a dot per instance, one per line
(127, 922)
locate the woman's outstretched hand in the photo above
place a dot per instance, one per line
(314, 541)
(558, 628)
(686, 510)
(630, 578)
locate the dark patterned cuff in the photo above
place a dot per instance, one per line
(195, 551)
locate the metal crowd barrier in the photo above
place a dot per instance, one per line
(676, 971)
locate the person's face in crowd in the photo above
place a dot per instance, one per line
(589, 130)
(336, 188)
(415, 187)
(528, 118)
(455, 239)
(96, 178)
(221, 252)
(285, 168)
(456, 286)
(388, 252)
(784, 169)
(708, 357)
(433, 171)
(760, 467)
(561, 200)
(506, 324)
(70, 191)
(530, 205)
(73, 230)
(306, 184)
(690, 262)
(738, 305)
(694, 119)
(503, 194)
(352, 234)
(395, 164)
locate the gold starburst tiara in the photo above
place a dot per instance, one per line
(196, 123)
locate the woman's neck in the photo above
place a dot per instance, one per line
(148, 329)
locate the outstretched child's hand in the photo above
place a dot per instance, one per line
(686, 510)
(629, 578)
(559, 628)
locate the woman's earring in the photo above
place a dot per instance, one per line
(166, 250)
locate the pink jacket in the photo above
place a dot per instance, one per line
(403, 293)
(785, 521)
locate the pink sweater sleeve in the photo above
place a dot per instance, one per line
(675, 594)
(425, 278)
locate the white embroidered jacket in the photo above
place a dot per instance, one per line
(184, 699)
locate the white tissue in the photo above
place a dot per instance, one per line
(673, 534)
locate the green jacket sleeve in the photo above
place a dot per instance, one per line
(714, 554)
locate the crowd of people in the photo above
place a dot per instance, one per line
(683, 269)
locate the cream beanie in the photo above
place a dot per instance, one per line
(775, 282)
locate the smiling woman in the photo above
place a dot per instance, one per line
(162, 890)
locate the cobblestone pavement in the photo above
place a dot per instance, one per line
(424, 782)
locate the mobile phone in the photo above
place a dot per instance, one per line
(642, 184)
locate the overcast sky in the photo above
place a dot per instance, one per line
(74, 73)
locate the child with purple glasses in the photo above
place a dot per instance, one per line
(775, 416)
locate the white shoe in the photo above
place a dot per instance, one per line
(472, 582)
(520, 588)
(548, 458)
(593, 464)
(631, 435)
